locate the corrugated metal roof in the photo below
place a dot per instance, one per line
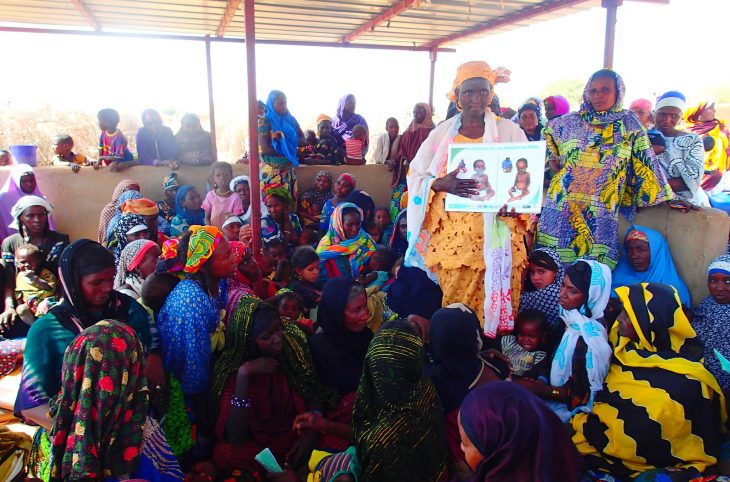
(402, 23)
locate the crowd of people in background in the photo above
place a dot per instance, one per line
(377, 343)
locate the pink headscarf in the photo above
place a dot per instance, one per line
(9, 195)
(561, 104)
(643, 103)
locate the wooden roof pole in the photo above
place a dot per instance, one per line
(86, 13)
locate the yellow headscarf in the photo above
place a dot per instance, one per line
(323, 117)
(478, 69)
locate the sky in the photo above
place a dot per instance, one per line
(654, 53)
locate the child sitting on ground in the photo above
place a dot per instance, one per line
(63, 145)
(309, 237)
(33, 283)
(355, 146)
(290, 308)
(305, 263)
(221, 202)
(113, 150)
(521, 187)
(381, 227)
(526, 348)
(232, 227)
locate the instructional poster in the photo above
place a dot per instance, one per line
(507, 173)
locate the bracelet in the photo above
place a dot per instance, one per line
(241, 402)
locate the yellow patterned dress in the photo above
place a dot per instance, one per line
(456, 250)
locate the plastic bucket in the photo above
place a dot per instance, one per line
(24, 154)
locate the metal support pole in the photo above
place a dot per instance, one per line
(211, 105)
(433, 54)
(611, 7)
(253, 141)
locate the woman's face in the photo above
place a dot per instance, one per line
(324, 129)
(96, 288)
(244, 193)
(276, 208)
(403, 227)
(343, 188)
(231, 231)
(571, 298)
(250, 268)
(625, 327)
(144, 234)
(170, 195)
(148, 264)
(192, 201)
(280, 105)
(133, 187)
(309, 273)
(718, 285)
(540, 276)
(356, 314)
(549, 110)
(269, 342)
(474, 96)
(27, 183)
(471, 454)
(351, 225)
(222, 263)
(322, 184)
(708, 114)
(643, 115)
(602, 94)
(638, 254)
(666, 119)
(350, 105)
(35, 220)
(528, 120)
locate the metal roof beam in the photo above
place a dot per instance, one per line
(86, 13)
(524, 14)
(227, 17)
(380, 19)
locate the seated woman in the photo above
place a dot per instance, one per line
(166, 207)
(393, 395)
(314, 199)
(194, 145)
(542, 290)
(344, 185)
(647, 259)
(21, 182)
(328, 150)
(108, 212)
(241, 185)
(581, 360)
(661, 409)
(155, 141)
(130, 227)
(87, 276)
(507, 433)
(455, 369)
(188, 211)
(280, 224)
(711, 317)
(127, 196)
(398, 242)
(260, 383)
(137, 261)
(30, 217)
(115, 440)
(346, 248)
(529, 120)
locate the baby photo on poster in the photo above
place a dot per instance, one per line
(507, 173)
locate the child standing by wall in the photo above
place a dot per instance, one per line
(63, 145)
(221, 201)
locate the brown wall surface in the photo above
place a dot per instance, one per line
(694, 238)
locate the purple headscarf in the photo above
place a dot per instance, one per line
(560, 103)
(342, 128)
(9, 195)
(520, 438)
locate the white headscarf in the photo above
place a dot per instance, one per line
(578, 325)
(24, 203)
(246, 217)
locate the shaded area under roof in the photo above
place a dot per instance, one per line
(403, 24)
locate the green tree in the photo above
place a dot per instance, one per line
(571, 89)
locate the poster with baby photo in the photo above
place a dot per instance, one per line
(506, 173)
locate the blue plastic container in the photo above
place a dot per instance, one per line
(24, 154)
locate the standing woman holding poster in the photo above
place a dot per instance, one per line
(476, 258)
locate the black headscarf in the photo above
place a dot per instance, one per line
(413, 293)
(579, 274)
(365, 202)
(338, 353)
(82, 258)
(454, 349)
